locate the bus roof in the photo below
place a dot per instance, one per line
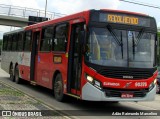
(123, 11)
(77, 15)
(15, 31)
(58, 20)
(70, 17)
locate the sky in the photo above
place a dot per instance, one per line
(73, 6)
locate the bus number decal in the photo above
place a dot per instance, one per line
(140, 84)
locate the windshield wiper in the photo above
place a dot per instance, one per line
(121, 45)
(133, 46)
(139, 36)
(119, 42)
(114, 35)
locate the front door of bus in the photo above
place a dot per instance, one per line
(34, 54)
(75, 59)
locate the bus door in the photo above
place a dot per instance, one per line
(34, 55)
(75, 58)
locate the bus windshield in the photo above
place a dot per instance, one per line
(121, 48)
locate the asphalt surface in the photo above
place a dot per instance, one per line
(83, 109)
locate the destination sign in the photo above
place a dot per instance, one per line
(124, 19)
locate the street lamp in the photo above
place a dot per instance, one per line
(45, 8)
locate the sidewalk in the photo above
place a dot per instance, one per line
(14, 100)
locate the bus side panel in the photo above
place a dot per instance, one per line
(48, 65)
(24, 65)
(7, 59)
(23, 60)
(44, 69)
(60, 63)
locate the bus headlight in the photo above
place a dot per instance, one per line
(155, 81)
(89, 78)
(151, 86)
(94, 82)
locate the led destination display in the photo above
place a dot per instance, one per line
(124, 19)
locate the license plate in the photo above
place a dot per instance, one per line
(127, 95)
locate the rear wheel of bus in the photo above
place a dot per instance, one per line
(17, 79)
(58, 88)
(12, 77)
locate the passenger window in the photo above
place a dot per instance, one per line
(46, 40)
(14, 42)
(20, 42)
(9, 46)
(5, 39)
(60, 40)
(27, 41)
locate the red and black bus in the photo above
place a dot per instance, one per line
(96, 55)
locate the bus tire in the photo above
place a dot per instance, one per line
(58, 88)
(12, 77)
(17, 79)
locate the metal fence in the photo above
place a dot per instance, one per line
(25, 12)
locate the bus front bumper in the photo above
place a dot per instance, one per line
(91, 93)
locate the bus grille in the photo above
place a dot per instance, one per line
(118, 92)
(120, 74)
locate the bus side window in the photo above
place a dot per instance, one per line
(27, 41)
(9, 46)
(47, 35)
(60, 39)
(14, 42)
(5, 39)
(20, 42)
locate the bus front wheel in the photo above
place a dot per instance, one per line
(58, 88)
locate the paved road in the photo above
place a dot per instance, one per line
(84, 107)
